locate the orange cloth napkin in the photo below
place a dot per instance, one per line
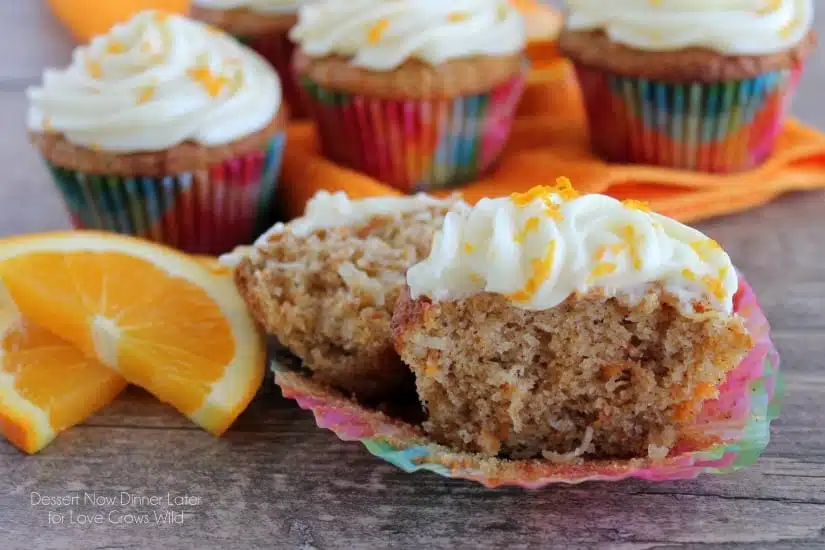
(550, 139)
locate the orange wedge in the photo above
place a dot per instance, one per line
(46, 385)
(170, 323)
(542, 23)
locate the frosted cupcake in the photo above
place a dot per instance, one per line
(548, 324)
(420, 94)
(264, 26)
(701, 85)
(166, 130)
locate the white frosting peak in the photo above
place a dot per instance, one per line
(327, 210)
(260, 6)
(730, 27)
(153, 83)
(540, 247)
(380, 35)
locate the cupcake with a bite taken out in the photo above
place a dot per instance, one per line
(165, 129)
(420, 94)
(702, 85)
(557, 325)
(264, 26)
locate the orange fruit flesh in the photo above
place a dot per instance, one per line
(171, 323)
(141, 318)
(49, 375)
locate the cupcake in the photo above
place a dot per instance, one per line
(325, 284)
(701, 85)
(263, 25)
(559, 326)
(419, 94)
(166, 130)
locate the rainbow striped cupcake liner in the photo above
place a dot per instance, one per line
(736, 425)
(203, 212)
(415, 145)
(278, 49)
(718, 127)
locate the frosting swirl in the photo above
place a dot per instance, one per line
(730, 27)
(540, 247)
(327, 210)
(153, 83)
(260, 6)
(380, 35)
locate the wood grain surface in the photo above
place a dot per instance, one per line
(275, 480)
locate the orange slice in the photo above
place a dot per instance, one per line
(46, 385)
(542, 23)
(89, 18)
(170, 323)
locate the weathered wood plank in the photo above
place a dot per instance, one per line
(29, 201)
(255, 483)
(32, 40)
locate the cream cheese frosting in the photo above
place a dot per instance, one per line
(540, 247)
(381, 35)
(327, 210)
(154, 82)
(730, 27)
(260, 6)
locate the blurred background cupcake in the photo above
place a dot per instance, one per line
(702, 85)
(262, 25)
(164, 129)
(420, 94)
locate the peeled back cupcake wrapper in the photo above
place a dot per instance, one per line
(730, 433)
(203, 212)
(721, 127)
(415, 145)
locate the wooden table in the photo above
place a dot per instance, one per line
(277, 480)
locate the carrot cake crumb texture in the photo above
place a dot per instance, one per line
(566, 326)
(325, 284)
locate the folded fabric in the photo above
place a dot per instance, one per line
(550, 140)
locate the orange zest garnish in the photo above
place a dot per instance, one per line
(211, 83)
(531, 224)
(94, 68)
(715, 286)
(604, 249)
(115, 47)
(704, 247)
(538, 192)
(602, 269)
(628, 234)
(145, 94)
(542, 269)
(564, 188)
(377, 30)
